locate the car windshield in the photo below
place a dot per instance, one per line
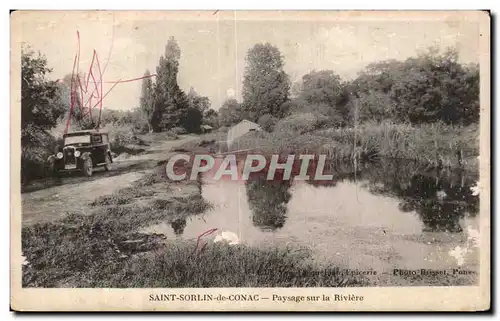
(77, 140)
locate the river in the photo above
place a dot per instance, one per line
(381, 216)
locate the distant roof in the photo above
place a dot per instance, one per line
(206, 126)
(87, 131)
(247, 121)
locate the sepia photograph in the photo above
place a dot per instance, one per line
(239, 160)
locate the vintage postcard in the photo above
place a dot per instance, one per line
(250, 161)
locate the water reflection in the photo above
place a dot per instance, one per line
(384, 215)
(441, 198)
(268, 201)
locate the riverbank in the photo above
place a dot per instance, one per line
(433, 145)
(106, 249)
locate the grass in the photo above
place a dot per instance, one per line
(80, 244)
(105, 249)
(436, 145)
(222, 265)
(123, 196)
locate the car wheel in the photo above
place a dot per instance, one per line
(87, 167)
(107, 166)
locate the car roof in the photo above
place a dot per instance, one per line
(84, 132)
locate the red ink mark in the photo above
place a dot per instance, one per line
(90, 86)
(198, 249)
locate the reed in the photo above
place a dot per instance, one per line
(435, 145)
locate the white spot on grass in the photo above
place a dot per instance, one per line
(459, 254)
(227, 236)
(472, 237)
(472, 241)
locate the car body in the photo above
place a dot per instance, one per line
(82, 151)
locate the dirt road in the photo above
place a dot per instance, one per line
(54, 199)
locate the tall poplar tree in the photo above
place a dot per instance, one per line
(170, 102)
(146, 100)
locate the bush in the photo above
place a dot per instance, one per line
(121, 135)
(300, 123)
(38, 145)
(267, 122)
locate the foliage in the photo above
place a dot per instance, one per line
(198, 102)
(146, 100)
(434, 145)
(120, 135)
(267, 122)
(324, 88)
(170, 102)
(211, 118)
(41, 107)
(192, 117)
(428, 88)
(41, 104)
(265, 84)
(230, 113)
(191, 120)
(371, 105)
(298, 124)
(70, 95)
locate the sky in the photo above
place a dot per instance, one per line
(214, 44)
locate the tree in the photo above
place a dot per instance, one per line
(70, 94)
(41, 107)
(434, 86)
(81, 116)
(470, 111)
(322, 87)
(41, 104)
(371, 106)
(265, 84)
(267, 122)
(170, 101)
(191, 120)
(146, 99)
(324, 92)
(230, 113)
(211, 118)
(428, 88)
(196, 101)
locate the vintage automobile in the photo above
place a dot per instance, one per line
(82, 151)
